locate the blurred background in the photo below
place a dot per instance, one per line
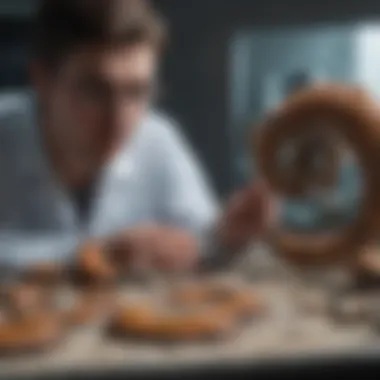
(229, 63)
(232, 61)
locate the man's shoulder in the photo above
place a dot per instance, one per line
(16, 113)
(157, 137)
(16, 120)
(162, 128)
(161, 121)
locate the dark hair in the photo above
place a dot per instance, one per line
(64, 26)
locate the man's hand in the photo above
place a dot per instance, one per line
(247, 216)
(158, 247)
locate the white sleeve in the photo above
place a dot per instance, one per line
(187, 199)
(19, 249)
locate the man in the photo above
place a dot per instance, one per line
(87, 157)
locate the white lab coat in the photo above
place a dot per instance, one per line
(154, 178)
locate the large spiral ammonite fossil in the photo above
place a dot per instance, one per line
(347, 113)
(312, 163)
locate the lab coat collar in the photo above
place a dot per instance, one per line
(118, 176)
(123, 165)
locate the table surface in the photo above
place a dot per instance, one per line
(282, 334)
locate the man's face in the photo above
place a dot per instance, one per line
(98, 97)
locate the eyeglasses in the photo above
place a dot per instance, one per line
(95, 90)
